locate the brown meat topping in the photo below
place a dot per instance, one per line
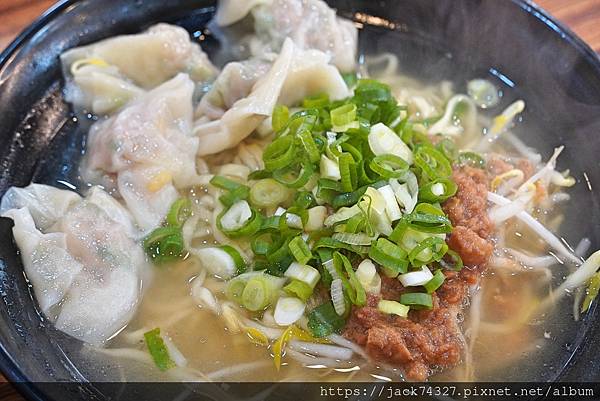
(468, 212)
(468, 208)
(426, 341)
(474, 250)
(430, 340)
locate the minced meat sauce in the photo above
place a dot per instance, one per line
(431, 340)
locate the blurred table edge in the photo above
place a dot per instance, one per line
(582, 16)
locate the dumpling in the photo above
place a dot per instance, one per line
(98, 87)
(232, 84)
(46, 204)
(49, 267)
(103, 76)
(148, 149)
(87, 267)
(231, 11)
(311, 24)
(247, 113)
(294, 75)
(311, 74)
(146, 194)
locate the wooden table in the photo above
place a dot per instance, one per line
(583, 16)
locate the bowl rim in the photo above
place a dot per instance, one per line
(8, 366)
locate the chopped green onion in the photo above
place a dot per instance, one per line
(300, 250)
(267, 193)
(316, 218)
(240, 265)
(429, 250)
(239, 221)
(370, 90)
(417, 300)
(299, 289)
(309, 146)
(328, 242)
(304, 200)
(436, 282)
(348, 172)
(256, 295)
(383, 141)
(280, 153)
(356, 154)
(430, 219)
(302, 120)
(356, 223)
(180, 211)
(316, 102)
(448, 148)
(329, 170)
(164, 244)
(281, 114)
(343, 115)
(224, 183)
(437, 190)
(261, 244)
(259, 175)
(432, 163)
(323, 321)
(235, 288)
(348, 198)
(254, 290)
(389, 255)
(393, 308)
(158, 350)
(350, 78)
(366, 272)
(358, 296)
(326, 183)
(471, 159)
(234, 196)
(270, 224)
(458, 263)
(279, 251)
(302, 272)
(389, 166)
(353, 238)
(293, 178)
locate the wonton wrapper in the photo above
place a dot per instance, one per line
(311, 24)
(294, 75)
(104, 76)
(149, 147)
(84, 263)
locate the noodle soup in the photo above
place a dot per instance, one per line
(299, 216)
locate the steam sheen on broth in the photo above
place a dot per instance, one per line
(169, 128)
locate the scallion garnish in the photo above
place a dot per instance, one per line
(417, 300)
(164, 244)
(158, 350)
(366, 182)
(298, 289)
(323, 321)
(180, 211)
(436, 282)
(267, 193)
(389, 255)
(300, 250)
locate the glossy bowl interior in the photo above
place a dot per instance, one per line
(513, 43)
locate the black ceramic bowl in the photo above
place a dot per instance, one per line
(513, 42)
